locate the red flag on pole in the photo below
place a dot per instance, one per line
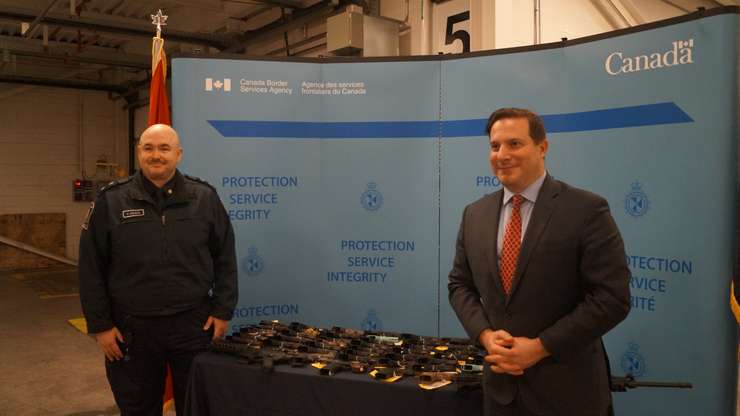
(159, 113)
(735, 285)
(159, 106)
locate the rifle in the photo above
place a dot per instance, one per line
(269, 356)
(238, 349)
(435, 379)
(336, 366)
(628, 382)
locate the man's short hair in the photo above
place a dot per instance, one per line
(536, 126)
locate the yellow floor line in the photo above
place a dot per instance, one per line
(79, 323)
(65, 295)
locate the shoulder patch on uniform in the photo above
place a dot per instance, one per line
(199, 180)
(86, 222)
(113, 184)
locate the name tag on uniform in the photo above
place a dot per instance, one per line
(132, 213)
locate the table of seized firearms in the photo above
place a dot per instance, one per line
(277, 369)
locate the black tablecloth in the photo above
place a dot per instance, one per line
(221, 386)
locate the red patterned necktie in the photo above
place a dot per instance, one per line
(512, 243)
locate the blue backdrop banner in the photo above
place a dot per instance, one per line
(345, 183)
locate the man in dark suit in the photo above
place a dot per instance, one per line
(539, 275)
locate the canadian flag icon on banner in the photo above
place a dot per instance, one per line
(218, 84)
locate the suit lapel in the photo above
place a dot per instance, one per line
(491, 248)
(543, 209)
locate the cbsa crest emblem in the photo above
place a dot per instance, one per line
(632, 361)
(371, 322)
(253, 263)
(636, 203)
(371, 199)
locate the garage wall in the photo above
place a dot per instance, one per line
(42, 133)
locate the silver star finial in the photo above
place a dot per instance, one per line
(159, 20)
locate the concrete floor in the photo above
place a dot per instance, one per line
(47, 367)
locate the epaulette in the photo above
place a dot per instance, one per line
(113, 184)
(199, 180)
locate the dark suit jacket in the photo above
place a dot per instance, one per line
(570, 287)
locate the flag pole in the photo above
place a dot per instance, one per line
(159, 112)
(159, 20)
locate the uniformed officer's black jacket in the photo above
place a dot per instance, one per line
(138, 261)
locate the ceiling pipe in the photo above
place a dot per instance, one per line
(298, 44)
(254, 14)
(32, 28)
(537, 23)
(291, 4)
(610, 13)
(64, 83)
(131, 29)
(618, 12)
(297, 19)
(678, 6)
(143, 64)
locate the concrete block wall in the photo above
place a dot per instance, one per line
(48, 136)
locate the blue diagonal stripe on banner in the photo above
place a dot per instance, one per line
(327, 130)
(612, 118)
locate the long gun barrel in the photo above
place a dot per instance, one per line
(629, 382)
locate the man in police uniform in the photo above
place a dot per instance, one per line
(157, 274)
